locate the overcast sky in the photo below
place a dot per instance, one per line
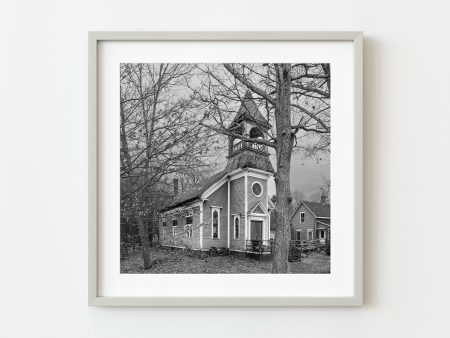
(306, 174)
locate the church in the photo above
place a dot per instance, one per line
(231, 208)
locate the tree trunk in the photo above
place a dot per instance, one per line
(145, 245)
(143, 229)
(284, 143)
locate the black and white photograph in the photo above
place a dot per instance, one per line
(225, 168)
(239, 169)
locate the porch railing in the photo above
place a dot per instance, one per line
(305, 243)
(249, 145)
(255, 245)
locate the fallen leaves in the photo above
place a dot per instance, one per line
(167, 261)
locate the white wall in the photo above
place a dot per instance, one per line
(43, 101)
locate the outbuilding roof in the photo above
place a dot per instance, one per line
(320, 210)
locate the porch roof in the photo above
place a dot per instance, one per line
(323, 224)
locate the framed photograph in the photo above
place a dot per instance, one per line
(225, 168)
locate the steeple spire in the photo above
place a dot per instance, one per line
(249, 112)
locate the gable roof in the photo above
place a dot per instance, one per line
(255, 206)
(195, 191)
(249, 110)
(318, 209)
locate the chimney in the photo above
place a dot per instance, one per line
(175, 186)
(323, 199)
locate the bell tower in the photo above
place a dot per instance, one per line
(250, 123)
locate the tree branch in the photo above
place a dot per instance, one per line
(299, 127)
(314, 90)
(312, 115)
(248, 84)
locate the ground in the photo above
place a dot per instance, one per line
(177, 261)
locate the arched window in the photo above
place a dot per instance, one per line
(188, 227)
(174, 227)
(215, 224)
(236, 227)
(256, 133)
(237, 144)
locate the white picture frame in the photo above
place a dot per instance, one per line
(96, 299)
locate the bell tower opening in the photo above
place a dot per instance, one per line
(249, 123)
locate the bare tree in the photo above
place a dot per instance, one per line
(161, 135)
(297, 197)
(324, 190)
(296, 98)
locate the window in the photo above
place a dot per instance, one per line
(236, 227)
(298, 235)
(189, 226)
(256, 133)
(164, 225)
(321, 234)
(302, 217)
(174, 226)
(257, 189)
(310, 234)
(215, 223)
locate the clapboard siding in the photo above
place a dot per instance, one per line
(309, 223)
(180, 239)
(252, 199)
(237, 192)
(237, 207)
(238, 244)
(219, 198)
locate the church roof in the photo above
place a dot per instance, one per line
(194, 191)
(243, 159)
(249, 110)
(249, 159)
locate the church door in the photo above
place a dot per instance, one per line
(256, 230)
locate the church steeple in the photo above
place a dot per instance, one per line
(248, 122)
